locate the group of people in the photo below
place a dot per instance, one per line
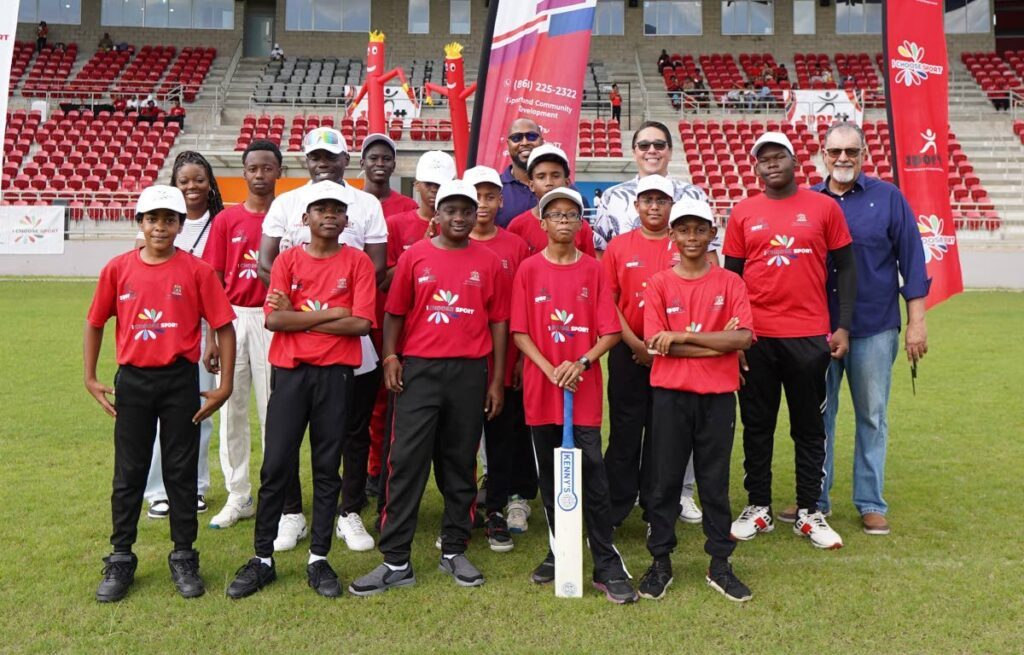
(403, 333)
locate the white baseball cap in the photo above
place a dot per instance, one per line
(160, 196)
(778, 138)
(327, 190)
(324, 138)
(561, 192)
(482, 174)
(453, 188)
(546, 149)
(436, 167)
(690, 207)
(377, 137)
(655, 183)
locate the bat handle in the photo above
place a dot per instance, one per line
(567, 436)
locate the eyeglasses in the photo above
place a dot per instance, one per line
(657, 144)
(519, 136)
(562, 217)
(651, 202)
(852, 153)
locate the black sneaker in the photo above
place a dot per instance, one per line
(497, 533)
(545, 571)
(657, 579)
(201, 505)
(252, 577)
(118, 576)
(159, 509)
(323, 579)
(721, 578)
(619, 591)
(381, 579)
(184, 565)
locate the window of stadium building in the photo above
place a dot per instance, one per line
(748, 17)
(193, 14)
(327, 15)
(859, 17)
(803, 17)
(55, 12)
(609, 18)
(967, 16)
(459, 17)
(673, 18)
(419, 16)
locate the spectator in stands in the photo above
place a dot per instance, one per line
(700, 90)
(765, 99)
(675, 92)
(663, 61)
(749, 96)
(848, 82)
(42, 31)
(689, 98)
(616, 99)
(132, 105)
(148, 112)
(277, 53)
(120, 104)
(1000, 96)
(816, 75)
(106, 44)
(781, 73)
(826, 76)
(176, 114)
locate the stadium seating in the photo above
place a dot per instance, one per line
(23, 51)
(722, 73)
(145, 71)
(992, 74)
(97, 74)
(50, 71)
(188, 73)
(599, 138)
(307, 80)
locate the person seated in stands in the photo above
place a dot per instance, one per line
(132, 105)
(781, 73)
(42, 31)
(176, 114)
(689, 99)
(277, 53)
(848, 82)
(60, 46)
(663, 61)
(765, 99)
(749, 96)
(826, 76)
(816, 76)
(1000, 97)
(768, 75)
(120, 104)
(148, 112)
(700, 91)
(106, 43)
(675, 92)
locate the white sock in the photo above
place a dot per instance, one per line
(269, 561)
(315, 558)
(449, 555)
(393, 567)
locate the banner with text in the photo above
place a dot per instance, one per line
(31, 230)
(537, 61)
(8, 25)
(822, 106)
(917, 83)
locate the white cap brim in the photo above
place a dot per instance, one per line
(561, 192)
(378, 138)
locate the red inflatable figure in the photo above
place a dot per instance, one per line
(373, 87)
(456, 91)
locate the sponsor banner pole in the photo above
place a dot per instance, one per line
(481, 85)
(916, 84)
(8, 25)
(537, 57)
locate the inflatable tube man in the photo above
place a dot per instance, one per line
(457, 92)
(373, 87)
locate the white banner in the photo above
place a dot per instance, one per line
(822, 106)
(31, 230)
(8, 25)
(395, 100)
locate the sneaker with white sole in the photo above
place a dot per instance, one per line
(232, 513)
(517, 513)
(462, 570)
(201, 506)
(688, 510)
(814, 526)
(291, 529)
(752, 520)
(352, 531)
(382, 579)
(159, 509)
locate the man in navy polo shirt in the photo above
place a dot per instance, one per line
(886, 242)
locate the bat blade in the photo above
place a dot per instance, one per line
(568, 541)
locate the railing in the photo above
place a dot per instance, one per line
(709, 101)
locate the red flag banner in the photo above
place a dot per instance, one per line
(917, 76)
(538, 56)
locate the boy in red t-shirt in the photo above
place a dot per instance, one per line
(433, 169)
(563, 320)
(696, 319)
(548, 169)
(449, 304)
(510, 466)
(321, 301)
(233, 251)
(158, 295)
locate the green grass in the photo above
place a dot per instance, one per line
(947, 580)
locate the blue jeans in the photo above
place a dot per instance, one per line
(868, 367)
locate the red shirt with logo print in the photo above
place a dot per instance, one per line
(158, 307)
(345, 279)
(396, 203)
(629, 262)
(784, 243)
(527, 226)
(564, 309)
(233, 250)
(449, 299)
(676, 304)
(511, 250)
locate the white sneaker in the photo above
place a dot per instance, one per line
(753, 519)
(291, 529)
(352, 531)
(689, 512)
(437, 543)
(516, 514)
(159, 509)
(814, 525)
(232, 513)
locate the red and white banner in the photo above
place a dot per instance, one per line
(8, 25)
(917, 80)
(822, 106)
(538, 57)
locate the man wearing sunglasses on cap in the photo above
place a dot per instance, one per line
(523, 136)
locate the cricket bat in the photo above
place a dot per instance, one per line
(568, 541)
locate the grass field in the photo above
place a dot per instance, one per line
(947, 580)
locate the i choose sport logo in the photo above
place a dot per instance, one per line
(782, 252)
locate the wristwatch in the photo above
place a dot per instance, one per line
(585, 362)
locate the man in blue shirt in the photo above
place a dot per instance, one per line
(886, 245)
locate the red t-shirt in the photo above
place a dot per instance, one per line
(784, 243)
(233, 250)
(449, 299)
(345, 279)
(564, 309)
(511, 250)
(527, 226)
(629, 262)
(404, 229)
(396, 203)
(158, 307)
(177, 111)
(703, 305)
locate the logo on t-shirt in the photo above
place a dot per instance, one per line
(674, 306)
(783, 253)
(474, 279)
(240, 237)
(719, 300)
(129, 293)
(448, 310)
(296, 284)
(542, 296)
(562, 328)
(176, 290)
(150, 326)
(314, 306)
(247, 267)
(694, 327)
(426, 276)
(635, 262)
(760, 225)
(801, 218)
(584, 294)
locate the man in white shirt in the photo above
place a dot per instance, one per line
(326, 158)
